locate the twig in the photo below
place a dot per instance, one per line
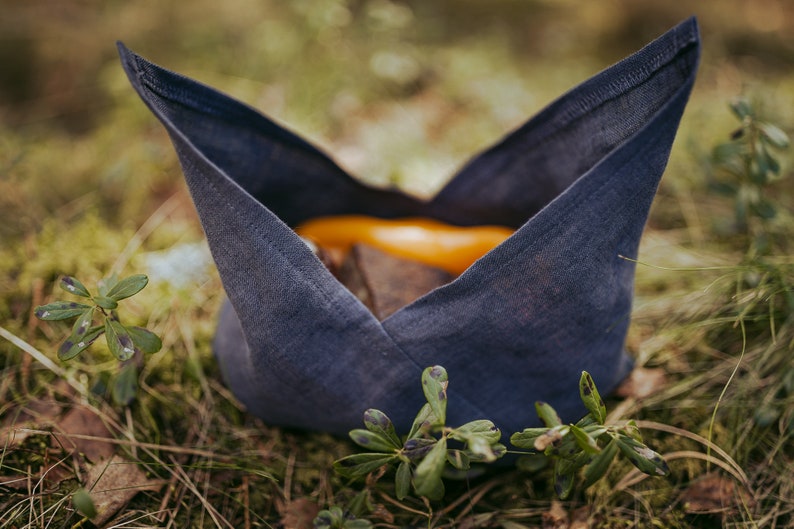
(404, 507)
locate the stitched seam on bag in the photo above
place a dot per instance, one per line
(571, 114)
(662, 59)
(596, 100)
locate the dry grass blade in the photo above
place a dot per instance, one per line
(635, 476)
(730, 464)
(43, 360)
(177, 470)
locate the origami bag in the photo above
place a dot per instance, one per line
(519, 325)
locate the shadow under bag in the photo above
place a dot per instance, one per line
(519, 325)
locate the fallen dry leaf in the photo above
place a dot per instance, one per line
(642, 383)
(83, 421)
(113, 483)
(299, 514)
(21, 422)
(711, 494)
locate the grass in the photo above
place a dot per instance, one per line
(90, 185)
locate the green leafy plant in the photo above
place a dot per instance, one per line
(336, 518)
(123, 341)
(590, 443)
(422, 456)
(747, 165)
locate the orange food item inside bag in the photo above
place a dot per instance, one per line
(451, 248)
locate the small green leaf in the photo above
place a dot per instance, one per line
(423, 422)
(480, 428)
(600, 464)
(547, 414)
(458, 459)
(415, 449)
(526, 438)
(73, 286)
(585, 442)
(632, 430)
(434, 386)
(375, 441)
(323, 520)
(741, 107)
(105, 302)
(129, 286)
(125, 385)
(331, 518)
(82, 336)
(728, 152)
(402, 480)
(641, 456)
(119, 341)
(478, 435)
(361, 503)
(76, 342)
(567, 447)
(358, 465)
(587, 420)
(427, 478)
(563, 481)
(83, 324)
(145, 340)
(83, 503)
(774, 134)
(494, 452)
(570, 465)
(378, 422)
(69, 349)
(591, 398)
(480, 448)
(60, 310)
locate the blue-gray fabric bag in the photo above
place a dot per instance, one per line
(520, 325)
